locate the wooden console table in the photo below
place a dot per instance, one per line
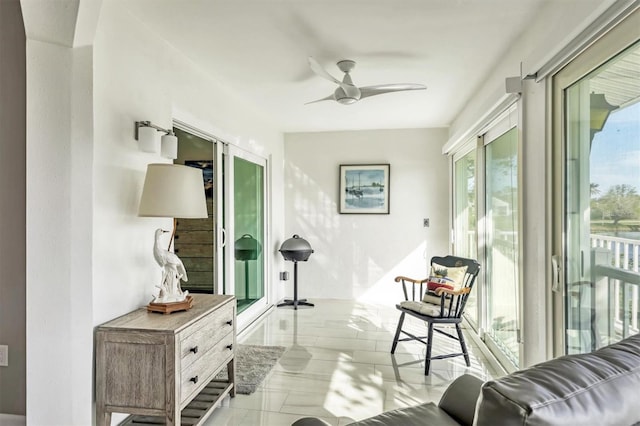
(163, 367)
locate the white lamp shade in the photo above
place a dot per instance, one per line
(169, 146)
(173, 190)
(148, 139)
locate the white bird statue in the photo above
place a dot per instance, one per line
(172, 272)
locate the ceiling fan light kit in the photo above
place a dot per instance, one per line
(348, 93)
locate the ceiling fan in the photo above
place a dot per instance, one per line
(347, 93)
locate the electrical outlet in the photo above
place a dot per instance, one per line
(4, 356)
(425, 223)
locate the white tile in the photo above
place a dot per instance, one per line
(272, 418)
(326, 367)
(259, 400)
(338, 366)
(347, 344)
(386, 358)
(376, 335)
(337, 403)
(225, 416)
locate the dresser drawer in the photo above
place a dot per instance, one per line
(205, 334)
(200, 372)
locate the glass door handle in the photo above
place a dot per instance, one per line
(556, 273)
(223, 233)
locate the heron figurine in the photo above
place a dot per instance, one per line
(172, 272)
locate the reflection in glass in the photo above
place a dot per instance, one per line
(195, 238)
(501, 217)
(465, 221)
(249, 233)
(602, 204)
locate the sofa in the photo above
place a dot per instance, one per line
(599, 388)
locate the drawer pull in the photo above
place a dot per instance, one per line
(194, 379)
(230, 347)
(230, 322)
(194, 349)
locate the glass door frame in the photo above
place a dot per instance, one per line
(509, 119)
(611, 44)
(218, 237)
(252, 312)
(471, 146)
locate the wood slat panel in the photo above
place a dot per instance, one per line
(200, 236)
(200, 278)
(195, 250)
(205, 224)
(197, 264)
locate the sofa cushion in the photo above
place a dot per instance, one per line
(419, 415)
(601, 386)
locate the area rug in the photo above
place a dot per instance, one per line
(253, 363)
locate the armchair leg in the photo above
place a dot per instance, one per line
(397, 336)
(463, 345)
(427, 359)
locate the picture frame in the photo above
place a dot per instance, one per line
(364, 189)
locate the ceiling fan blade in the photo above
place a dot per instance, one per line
(319, 70)
(348, 87)
(380, 89)
(328, 98)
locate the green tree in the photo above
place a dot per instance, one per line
(620, 202)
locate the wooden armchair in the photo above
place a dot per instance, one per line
(438, 301)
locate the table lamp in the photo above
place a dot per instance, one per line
(176, 191)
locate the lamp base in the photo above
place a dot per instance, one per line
(167, 308)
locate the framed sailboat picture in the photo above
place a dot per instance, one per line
(364, 189)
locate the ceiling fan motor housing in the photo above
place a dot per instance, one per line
(342, 97)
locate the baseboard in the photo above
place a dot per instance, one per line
(493, 361)
(12, 420)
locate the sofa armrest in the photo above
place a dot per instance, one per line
(310, 421)
(459, 400)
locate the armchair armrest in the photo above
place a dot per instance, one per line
(411, 280)
(441, 290)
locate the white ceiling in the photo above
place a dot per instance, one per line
(259, 49)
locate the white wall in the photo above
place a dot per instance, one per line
(140, 77)
(556, 23)
(89, 254)
(357, 256)
(59, 331)
(554, 27)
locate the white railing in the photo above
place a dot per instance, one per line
(622, 275)
(626, 252)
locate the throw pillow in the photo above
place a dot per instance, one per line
(453, 276)
(450, 278)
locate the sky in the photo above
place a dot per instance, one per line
(615, 152)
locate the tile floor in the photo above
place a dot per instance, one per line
(338, 367)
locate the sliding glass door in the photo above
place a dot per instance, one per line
(465, 219)
(486, 227)
(597, 174)
(501, 242)
(195, 239)
(245, 176)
